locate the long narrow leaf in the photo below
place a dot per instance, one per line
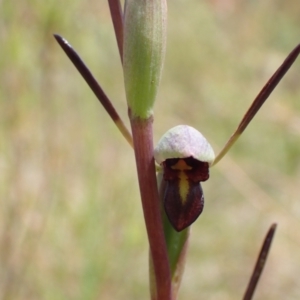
(260, 263)
(94, 85)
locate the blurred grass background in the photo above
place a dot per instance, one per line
(71, 224)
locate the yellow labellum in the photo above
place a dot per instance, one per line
(184, 185)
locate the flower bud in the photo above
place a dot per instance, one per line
(143, 53)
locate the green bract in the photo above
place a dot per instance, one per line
(144, 51)
(183, 141)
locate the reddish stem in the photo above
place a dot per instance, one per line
(143, 148)
(117, 18)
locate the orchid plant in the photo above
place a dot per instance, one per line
(169, 175)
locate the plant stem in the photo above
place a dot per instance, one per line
(143, 148)
(117, 18)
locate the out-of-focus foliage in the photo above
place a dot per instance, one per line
(71, 224)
